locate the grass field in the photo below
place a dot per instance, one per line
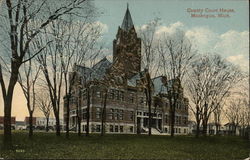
(47, 145)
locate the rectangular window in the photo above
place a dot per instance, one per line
(166, 130)
(131, 98)
(179, 130)
(111, 128)
(84, 114)
(131, 115)
(93, 128)
(110, 115)
(166, 119)
(98, 94)
(121, 129)
(116, 94)
(184, 120)
(141, 100)
(121, 116)
(116, 116)
(111, 94)
(131, 129)
(98, 115)
(116, 128)
(176, 120)
(122, 95)
(98, 128)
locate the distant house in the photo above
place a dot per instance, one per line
(191, 127)
(42, 122)
(231, 129)
(20, 125)
(13, 122)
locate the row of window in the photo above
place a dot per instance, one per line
(112, 94)
(45, 122)
(112, 128)
(119, 95)
(178, 120)
(115, 94)
(115, 114)
(176, 130)
(179, 106)
(147, 114)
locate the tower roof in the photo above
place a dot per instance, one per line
(127, 23)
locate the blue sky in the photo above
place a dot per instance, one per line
(226, 36)
(171, 11)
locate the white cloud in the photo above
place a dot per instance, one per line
(239, 60)
(104, 27)
(232, 45)
(202, 38)
(171, 29)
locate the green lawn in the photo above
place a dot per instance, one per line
(47, 145)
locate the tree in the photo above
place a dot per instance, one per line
(27, 81)
(80, 50)
(19, 16)
(211, 79)
(237, 109)
(44, 104)
(72, 43)
(148, 37)
(104, 104)
(176, 54)
(233, 113)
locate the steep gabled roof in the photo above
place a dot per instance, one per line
(127, 23)
(159, 86)
(97, 71)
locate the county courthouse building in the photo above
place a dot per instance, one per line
(126, 106)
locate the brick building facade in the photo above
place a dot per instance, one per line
(126, 108)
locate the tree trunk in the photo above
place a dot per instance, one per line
(149, 115)
(47, 124)
(88, 114)
(67, 116)
(197, 134)
(31, 124)
(57, 125)
(204, 125)
(172, 114)
(79, 126)
(104, 114)
(138, 126)
(7, 123)
(172, 121)
(217, 128)
(79, 119)
(8, 105)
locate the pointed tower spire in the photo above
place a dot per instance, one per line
(127, 23)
